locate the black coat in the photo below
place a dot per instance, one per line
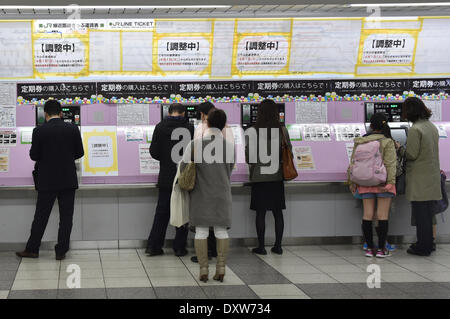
(162, 144)
(55, 147)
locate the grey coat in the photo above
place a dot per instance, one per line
(423, 177)
(255, 173)
(210, 200)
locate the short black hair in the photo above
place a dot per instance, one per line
(217, 119)
(205, 107)
(177, 108)
(52, 107)
(414, 109)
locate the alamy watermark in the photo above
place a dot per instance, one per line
(374, 279)
(73, 281)
(262, 147)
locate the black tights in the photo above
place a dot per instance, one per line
(261, 226)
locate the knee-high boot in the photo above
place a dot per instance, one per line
(222, 252)
(201, 249)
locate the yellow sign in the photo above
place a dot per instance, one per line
(100, 144)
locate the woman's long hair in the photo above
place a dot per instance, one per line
(379, 122)
(268, 115)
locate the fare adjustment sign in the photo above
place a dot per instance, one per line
(60, 55)
(263, 54)
(388, 47)
(184, 54)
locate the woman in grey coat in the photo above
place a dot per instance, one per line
(423, 178)
(210, 200)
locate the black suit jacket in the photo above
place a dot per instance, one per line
(162, 144)
(55, 147)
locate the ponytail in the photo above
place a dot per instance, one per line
(379, 122)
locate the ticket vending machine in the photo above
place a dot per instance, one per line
(71, 114)
(249, 113)
(191, 113)
(393, 111)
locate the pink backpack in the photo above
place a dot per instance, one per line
(367, 167)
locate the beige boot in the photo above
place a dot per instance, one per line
(201, 249)
(222, 252)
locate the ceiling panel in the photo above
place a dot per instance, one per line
(251, 10)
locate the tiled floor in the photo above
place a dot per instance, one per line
(302, 272)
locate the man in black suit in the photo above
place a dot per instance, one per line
(55, 147)
(161, 149)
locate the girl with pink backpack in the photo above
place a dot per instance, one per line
(372, 176)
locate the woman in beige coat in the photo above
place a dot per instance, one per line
(423, 178)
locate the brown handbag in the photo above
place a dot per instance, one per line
(289, 170)
(186, 180)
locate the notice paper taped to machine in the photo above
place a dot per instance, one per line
(304, 158)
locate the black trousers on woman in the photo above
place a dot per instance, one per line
(422, 212)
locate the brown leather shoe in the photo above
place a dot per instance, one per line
(26, 254)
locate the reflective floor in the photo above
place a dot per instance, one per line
(302, 272)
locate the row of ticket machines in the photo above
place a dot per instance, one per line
(249, 112)
(321, 149)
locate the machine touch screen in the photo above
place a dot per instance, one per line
(71, 114)
(393, 111)
(400, 134)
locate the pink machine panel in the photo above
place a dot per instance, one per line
(330, 158)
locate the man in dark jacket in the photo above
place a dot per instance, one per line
(161, 150)
(55, 147)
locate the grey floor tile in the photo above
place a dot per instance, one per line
(130, 293)
(445, 284)
(83, 293)
(264, 278)
(9, 259)
(33, 294)
(229, 291)
(334, 296)
(239, 297)
(385, 290)
(7, 275)
(252, 269)
(431, 296)
(247, 260)
(6, 285)
(390, 297)
(9, 266)
(423, 288)
(325, 289)
(180, 293)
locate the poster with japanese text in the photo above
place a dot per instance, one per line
(388, 50)
(4, 160)
(100, 146)
(189, 54)
(147, 164)
(61, 56)
(262, 54)
(303, 158)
